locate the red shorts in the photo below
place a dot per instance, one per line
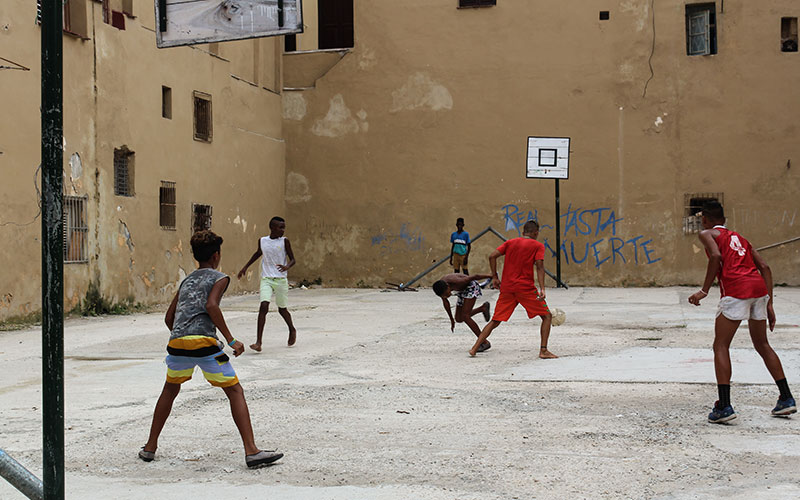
(508, 301)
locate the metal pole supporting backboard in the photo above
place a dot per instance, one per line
(548, 158)
(52, 252)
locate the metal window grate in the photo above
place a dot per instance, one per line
(166, 205)
(201, 217)
(203, 130)
(76, 229)
(693, 203)
(123, 172)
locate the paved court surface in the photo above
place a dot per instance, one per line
(379, 400)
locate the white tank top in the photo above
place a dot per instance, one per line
(273, 253)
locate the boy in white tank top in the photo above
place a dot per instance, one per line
(276, 259)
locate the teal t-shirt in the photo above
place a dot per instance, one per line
(460, 241)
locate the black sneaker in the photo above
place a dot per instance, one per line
(485, 346)
(721, 415)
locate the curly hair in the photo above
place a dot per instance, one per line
(205, 243)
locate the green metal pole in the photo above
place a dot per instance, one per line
(52, 252)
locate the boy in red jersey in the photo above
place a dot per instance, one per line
(745, 283)
(517, 287)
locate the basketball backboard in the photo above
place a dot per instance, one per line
(189, 22)
(548, 158)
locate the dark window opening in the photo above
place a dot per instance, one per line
(335, 24)
(693, 204)
(118, 20)
(201, 217)
(202, 117)
(123, 172)
(166, 205)
(701, 29)
(463, 4)
(788, 34)
(605, 15)
(166, 102)
(76, 230)
(290, 43)
(74, 19)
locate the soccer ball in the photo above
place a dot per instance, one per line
(559, 317)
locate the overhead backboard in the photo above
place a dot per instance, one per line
(548, 158)
(189, 22)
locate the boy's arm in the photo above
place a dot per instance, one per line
(766, 273)
(215, 313)
(446, 304)
(714, 261)
(466, 255)
(539, 265)
(255, 257)
(476, 277)
(289, 254)
(452, 247)
(493, 266)
(169, 319)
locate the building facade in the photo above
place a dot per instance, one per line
(426, 118)
(157, 143)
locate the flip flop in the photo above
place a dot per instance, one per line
(147, 456)
(263, 457)
(486, 314)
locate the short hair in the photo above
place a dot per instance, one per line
(530, 226)
(205, 244)
(460, 220)
(439, 287)
(713, 210)
(275, 219)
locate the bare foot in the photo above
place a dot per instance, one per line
(292, 337)
(473, 352)
(545, 354)
(255, 347)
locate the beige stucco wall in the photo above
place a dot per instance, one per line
(427, 118)
(112, 97)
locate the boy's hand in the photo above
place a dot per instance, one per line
(452, 325)
(238, 348)
(496, 282)
(466, 261)
(542, 294)
(282, 268)
(771, 316)
(696, 297)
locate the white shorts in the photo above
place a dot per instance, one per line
(741, 309)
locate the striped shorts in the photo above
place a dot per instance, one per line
(185, 353)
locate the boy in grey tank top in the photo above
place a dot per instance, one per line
(276, 259)
(193, 318)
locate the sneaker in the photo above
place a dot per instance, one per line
(721, 415)
(147, 456)
(486, 283)
(262, 458)
(784, 408)
(485, 346)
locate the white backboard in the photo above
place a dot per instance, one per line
(548, 158)
(189, 22)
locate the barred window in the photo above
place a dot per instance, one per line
(166, 102)
(202, 117)
(701, 29)
(201, 217)
(693, 204)
(166, 205)
(123, 172)
(788, 34)
(76, 229)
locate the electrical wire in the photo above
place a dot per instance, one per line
(652, 49)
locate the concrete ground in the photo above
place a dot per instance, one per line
(379, 400)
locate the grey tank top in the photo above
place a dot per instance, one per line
(191, 317)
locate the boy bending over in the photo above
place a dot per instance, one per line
(467, 290)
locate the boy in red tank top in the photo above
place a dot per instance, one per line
(745, 283)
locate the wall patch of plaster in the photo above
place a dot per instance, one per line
(75, 166)
(338, 121)
(297, 189)
(639, 10)
(294, 106)
(238, 220)
(367, 59)
(421, 91)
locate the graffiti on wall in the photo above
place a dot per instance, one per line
(404, 240)
(589, 236)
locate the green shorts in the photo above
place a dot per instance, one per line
(275, 286)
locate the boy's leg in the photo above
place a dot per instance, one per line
(724, 330)
(463, 317)
(287, 317)
(547, 321)
(162, 411)
(241, 416)
(484, 309)
(758, 334)
(263, 309)
(487, 330)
